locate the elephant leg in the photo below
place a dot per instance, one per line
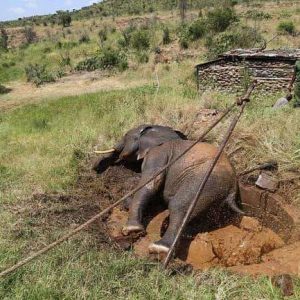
(138, 204)
(175, 220)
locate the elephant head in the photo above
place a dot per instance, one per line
(135, 144)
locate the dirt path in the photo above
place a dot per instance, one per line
(76, 84)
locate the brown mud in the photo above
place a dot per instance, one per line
(267, 241)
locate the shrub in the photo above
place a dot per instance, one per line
(127, 34)
(257, 15)
(84, 38)
(183, 34)
(197, 29)
(240, 37)
(65, 59)
(286, 27)
(107, 58)
(166, 36)
(220, 19)
(140, 39)
(3, 39)
(38, 74)
(184, 43)
(30, 34)
(64, 18)
(4, 90)
(103, 34)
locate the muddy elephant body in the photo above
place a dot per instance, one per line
(179, 185)
(156, 146)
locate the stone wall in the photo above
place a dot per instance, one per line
(233, 76)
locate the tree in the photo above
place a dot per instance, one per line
(64, 18)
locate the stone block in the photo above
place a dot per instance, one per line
(251, 196)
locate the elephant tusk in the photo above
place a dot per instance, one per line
(105, 151)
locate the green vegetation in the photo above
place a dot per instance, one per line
(38, 74)
(286, 27)
(166, 36)
(30, 34)
(3, 89)
(140, 39)
(107, 58)
(221, 18)
(64, 18)
(3, 39)
(237, 37)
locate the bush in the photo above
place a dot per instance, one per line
(65, 59)
(108, 58)
(64, 18)
(166, 36)
(257, 15)
(84, 38)
(197, 29)
(286, 27)
(4, 90)
(30, 34)
(183, 34)
(3, 39)
(127, 34)
(240, 37)
(220, 19)
(38, 74)
(140, 39)
(184, 43)
(103, 34)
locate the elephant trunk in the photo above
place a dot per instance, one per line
(111, 157)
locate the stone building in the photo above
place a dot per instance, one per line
(233, 70)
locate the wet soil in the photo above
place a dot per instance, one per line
(217, 238)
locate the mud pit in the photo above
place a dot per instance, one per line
(267, 241)
(264, 242)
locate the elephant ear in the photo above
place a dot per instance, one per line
(150, 139)
(144, 145)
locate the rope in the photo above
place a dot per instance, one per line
(107, 210)
(191, 208)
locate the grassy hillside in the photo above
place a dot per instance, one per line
(118, 43)
(45, 146)
(125, 7)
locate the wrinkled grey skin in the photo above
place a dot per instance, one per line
(179, 183)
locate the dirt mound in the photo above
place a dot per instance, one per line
(246, 247)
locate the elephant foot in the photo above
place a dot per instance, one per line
(158, 249)
(131, 229)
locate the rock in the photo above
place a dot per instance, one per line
(267, 182)
(285, 283)
(250, 224)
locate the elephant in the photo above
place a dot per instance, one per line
(156, 146)
(134, 145)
